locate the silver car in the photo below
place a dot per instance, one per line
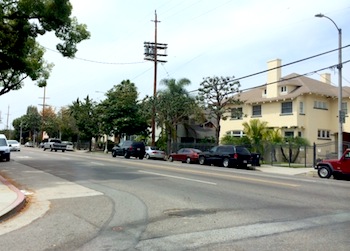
(14, 145)
(154, 153)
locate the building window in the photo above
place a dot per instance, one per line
(238, 134)
(256, 110)
(323, 134)
(300, 134)
(301, 108)
(344, 107)
(320, 105)
(287, 108)
(283, 89)
(236, 113)
(289, 134)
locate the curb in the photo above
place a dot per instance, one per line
(16, 205)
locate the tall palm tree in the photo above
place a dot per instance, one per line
(174, 105)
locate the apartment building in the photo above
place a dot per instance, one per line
(298, 105)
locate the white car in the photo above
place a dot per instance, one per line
(69, 146)
(153, 152)
(14, 145)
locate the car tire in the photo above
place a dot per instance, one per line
(7, 158)
(188, 160)
(126, 155)
(171, 159)
(201, 160)
(226, 162)
(324, 172)
(141, 157)
(147, 156)
(114, 154)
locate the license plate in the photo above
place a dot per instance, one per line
(138, 149)
(244, 161)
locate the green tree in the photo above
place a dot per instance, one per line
(67, 125)
(174, 105)
(84, 113)
(215, 96)
(21, 22)
(121, 113)
(30, 123)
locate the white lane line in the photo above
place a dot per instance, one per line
(180, 178)
(97, 163)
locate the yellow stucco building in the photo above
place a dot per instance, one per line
(298, 105)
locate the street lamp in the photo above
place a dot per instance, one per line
(341, 114)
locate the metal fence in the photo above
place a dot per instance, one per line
(275, 154)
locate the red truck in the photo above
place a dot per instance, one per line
(336, 167)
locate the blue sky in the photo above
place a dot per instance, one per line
(205, 38)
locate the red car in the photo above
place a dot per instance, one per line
(188, 155)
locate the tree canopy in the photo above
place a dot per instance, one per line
(21, 22)
(215, 96)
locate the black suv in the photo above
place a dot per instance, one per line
(227, 156)
(129, 149)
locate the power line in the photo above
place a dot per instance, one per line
(98, 62)
(298, 61)
(290, 78)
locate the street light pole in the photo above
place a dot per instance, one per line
(341, 114)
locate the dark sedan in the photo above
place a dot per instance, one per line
(188, 155)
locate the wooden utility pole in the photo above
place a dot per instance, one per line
(151, 53)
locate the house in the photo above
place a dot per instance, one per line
(194, 132)
(296, 104)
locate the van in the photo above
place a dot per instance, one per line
(4, 148)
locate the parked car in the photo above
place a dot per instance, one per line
(69, 145)
(5, 152)
(227, 156)
(14, 145)
(336, 167)
(188, 155)
(153, 152)
(29, 144)
(129, 149)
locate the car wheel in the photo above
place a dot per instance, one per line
(126, 155)
(114, 154)
(141, 157)
(324, 172)
(8, 158)
(147, 156)
(171, 159)
(188, 160)
(201, 160)
(225, 162)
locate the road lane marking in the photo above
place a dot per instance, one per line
(196, 240)
(178, 177)
(230, 176)
(210, 174)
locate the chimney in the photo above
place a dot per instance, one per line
(273, 76)
(326, 78)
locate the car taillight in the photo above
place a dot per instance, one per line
(235, 156)
(130, 147)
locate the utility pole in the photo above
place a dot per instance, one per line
(151, 54)
(43, 115)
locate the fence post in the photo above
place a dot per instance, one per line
(314, 155)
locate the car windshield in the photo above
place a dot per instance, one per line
(3, 142)
(13, 141)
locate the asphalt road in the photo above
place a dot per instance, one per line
(81, 201)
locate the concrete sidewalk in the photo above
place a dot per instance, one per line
(12, 199)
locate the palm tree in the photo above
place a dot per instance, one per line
(257, 131)
(174, 106)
